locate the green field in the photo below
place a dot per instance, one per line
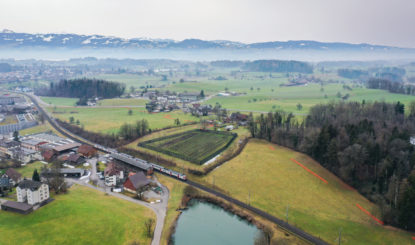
(27, 171)
(109, 120)
(265, 176)
(83, 216)
(287, 98)
(59, 101)
(122, 102)
(196, 146)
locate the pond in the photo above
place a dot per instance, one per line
(205, 223)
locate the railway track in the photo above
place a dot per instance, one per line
(280, 223)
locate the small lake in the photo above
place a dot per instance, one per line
(207, 224)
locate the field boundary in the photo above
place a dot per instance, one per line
(146, 144)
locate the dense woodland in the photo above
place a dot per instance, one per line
(83, 88)
(365, 144)
(352, 73)
(278, 66)
(391, 86)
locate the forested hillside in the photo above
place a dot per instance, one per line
(278, 66)
(366, 144)
(83, 88)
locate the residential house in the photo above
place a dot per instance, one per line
(14, 176)
(135, 182)
(26, 155)
(6, 147)
(32, 192)
(113, 174)
(75, 159)
(48, 155)
(87, 151)
(5, 186)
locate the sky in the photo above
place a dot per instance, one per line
(384, 22)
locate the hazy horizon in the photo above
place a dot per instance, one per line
(372, 21)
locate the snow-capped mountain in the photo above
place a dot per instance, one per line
(11, 39)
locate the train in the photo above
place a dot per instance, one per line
(127, 158)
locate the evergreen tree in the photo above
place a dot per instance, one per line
(35, 176)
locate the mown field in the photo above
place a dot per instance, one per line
(83, 216)
(266, 176)
(109, 120)
(195, 146)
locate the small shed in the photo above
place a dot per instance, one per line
(18, 207)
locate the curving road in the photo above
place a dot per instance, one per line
(159, 209)
(282, 224)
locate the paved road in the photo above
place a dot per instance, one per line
(294, 230)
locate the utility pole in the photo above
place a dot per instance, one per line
(286, 213)
(340, 236)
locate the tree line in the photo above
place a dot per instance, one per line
(278, 66)
(391, 86)
(83, 88)
(365, 144)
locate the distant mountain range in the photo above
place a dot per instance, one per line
(11, 39)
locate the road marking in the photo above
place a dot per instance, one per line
(372, 216)
(308, 170)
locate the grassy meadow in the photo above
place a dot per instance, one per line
(83, 216)
(274, 182)
(59, 101)
(109, 120)
(27, 171)
(176, 191)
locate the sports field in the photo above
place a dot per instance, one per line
(83, 216)
(196, 146)
(109, 120)
(269, 177)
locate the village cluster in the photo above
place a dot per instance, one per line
(75, 160)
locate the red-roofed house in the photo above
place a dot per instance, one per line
(87, 151)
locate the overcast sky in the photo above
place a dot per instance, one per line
(389, 22)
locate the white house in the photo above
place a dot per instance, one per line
(32, 192)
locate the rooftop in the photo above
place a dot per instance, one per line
(30, 184)
(17, 205)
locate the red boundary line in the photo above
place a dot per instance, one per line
(367, 212)
(308, 170)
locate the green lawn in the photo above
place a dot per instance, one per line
(109, 120)
(195, 146)
(27, 171)
(122, 102)
(267, 174)
(59, 101)
(83, 216)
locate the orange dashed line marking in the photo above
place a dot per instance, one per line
(272, 148)
(372, 216)
(308, 170)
